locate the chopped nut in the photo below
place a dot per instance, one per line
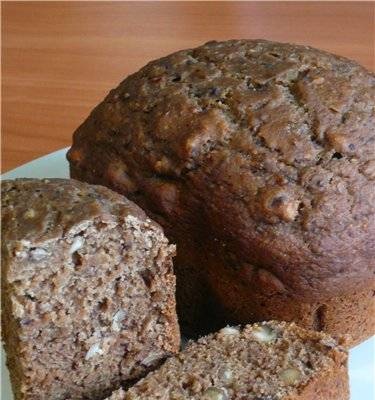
(226, 375)
(20, 254)
(214, 393)
(150, 359)
(17, 308)
(93, 351)
(76, 245)
(29, 214)
(318, 81)
(289, 211)
(290, 376)
(264, 333)
(229, 330)
(38, 253)
(117, 320)
(280, 203)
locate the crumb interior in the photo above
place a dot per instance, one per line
(263, 362)
(92, 309)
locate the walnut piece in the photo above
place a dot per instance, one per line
(214, 393)
(290, 376)
(229, 330)
(264, 334)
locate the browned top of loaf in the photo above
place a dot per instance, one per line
(39, 210)
(275, 142)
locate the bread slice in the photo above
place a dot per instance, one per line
(87, 290)
(265, 361)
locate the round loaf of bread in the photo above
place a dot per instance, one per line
(258, 158)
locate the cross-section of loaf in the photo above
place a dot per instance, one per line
(258, 159)
(87, 290)
(266, 361)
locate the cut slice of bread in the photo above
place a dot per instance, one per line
(87, 290)
(265, 361)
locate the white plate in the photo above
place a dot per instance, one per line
(362, 357)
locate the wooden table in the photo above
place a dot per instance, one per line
(61, 58)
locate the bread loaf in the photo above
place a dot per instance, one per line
(87, 290)
(258, 159)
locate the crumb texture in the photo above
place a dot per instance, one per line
(87, 290)
(268, 361)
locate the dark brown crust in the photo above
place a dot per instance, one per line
(226, 298)
(59, 205)
(351, 315)
(263, 149)
(332, 385)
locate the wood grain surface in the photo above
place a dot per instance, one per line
(59, 59)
